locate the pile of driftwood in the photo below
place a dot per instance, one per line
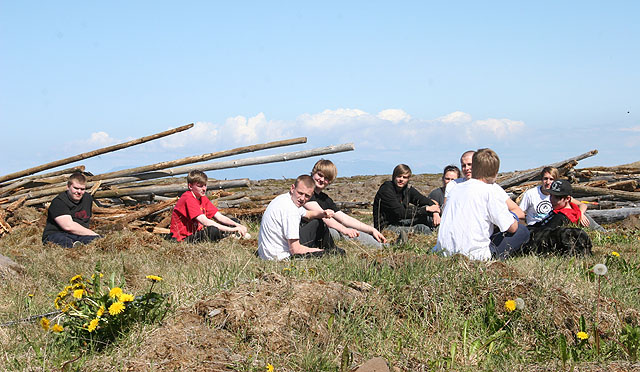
(138, 197)
(613, 193)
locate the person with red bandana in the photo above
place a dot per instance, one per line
(554, 233)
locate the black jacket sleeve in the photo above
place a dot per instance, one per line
(419, 200)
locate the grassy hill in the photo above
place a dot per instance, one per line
(231, 311)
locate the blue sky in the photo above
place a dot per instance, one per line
(407, 82)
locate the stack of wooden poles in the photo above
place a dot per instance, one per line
(126, 197)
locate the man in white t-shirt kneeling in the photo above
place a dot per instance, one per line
(471, 211)
(279, 236)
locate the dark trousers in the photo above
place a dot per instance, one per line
(505, 245)
(315, 233)
(66, 239)
(207, 234)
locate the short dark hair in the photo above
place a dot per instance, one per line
(399, 170)
(78, 177)
(305, 179)
(451, 168)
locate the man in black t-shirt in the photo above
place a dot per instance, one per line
(69, 214)
(321, 233)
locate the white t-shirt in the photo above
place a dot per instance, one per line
(280, 222)
(499, 190)
(472, 209)
(535, 205)
(451, 185)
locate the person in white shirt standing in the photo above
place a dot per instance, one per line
(473, 209)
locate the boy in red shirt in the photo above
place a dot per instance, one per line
(195, 218)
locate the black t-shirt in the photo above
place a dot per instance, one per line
(324, 201)
(80, 212)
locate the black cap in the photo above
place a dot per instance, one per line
(560, 188)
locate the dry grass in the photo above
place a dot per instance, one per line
(236, 312)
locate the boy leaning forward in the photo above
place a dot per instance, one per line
(195, 218)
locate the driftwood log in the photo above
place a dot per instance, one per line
(586, 190)
(199, 158)
(91, 154)
(612, 215)
(233, 163)
(531, 174)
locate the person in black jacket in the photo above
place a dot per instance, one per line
(555, 233)
(399, 207)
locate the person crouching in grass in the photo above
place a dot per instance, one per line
(195, 218)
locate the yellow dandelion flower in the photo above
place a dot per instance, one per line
(75, 279)
(154, 278)
(78, 293)
(510, 305)
(57, 303)
(615, 254)
(125, 297)
(100, 312)
(116, 308)
(63, 293)
(57, 328)
(93, 325)
(582, 335)
(115, 292)
(269, 367)
(44, 323)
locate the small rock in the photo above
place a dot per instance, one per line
(373, 365)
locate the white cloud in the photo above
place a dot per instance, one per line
(394, 115)
(329, 119)
(101, 139)
(202, 132)
(501, 128)
(456, 117)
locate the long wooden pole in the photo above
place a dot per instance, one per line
(172, 188)
(132, 191)
(56, 189)
(528, 175)
(93, 153)
(612, 215)
(198, 158)
(234, 163)
(627, 195)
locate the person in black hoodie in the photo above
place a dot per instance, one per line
(400, 208)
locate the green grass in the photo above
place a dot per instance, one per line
(423, 312)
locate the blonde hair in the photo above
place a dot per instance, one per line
(553, 171)
(197, 177)
(327, 168)
(485, 164)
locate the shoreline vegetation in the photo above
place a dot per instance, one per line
(230, 311)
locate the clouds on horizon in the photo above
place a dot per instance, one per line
(387, 129)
